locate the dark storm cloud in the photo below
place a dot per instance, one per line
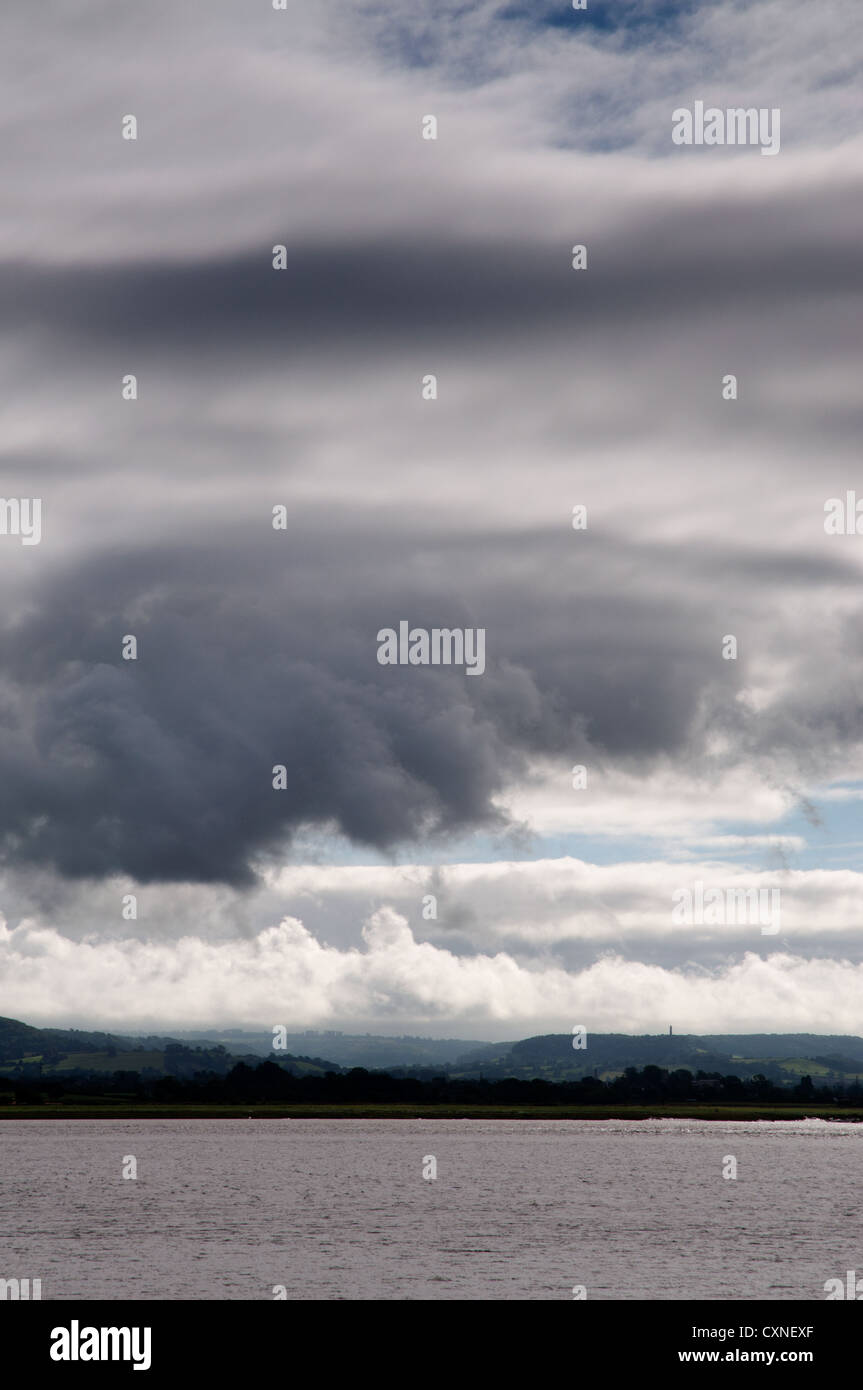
(260, 649)
(677, 261)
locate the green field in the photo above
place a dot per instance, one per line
(804, 1065)
(111, 1109)
(103, 1061)
(96, 1061)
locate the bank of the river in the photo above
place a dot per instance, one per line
(113, 1111)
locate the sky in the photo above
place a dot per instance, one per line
(430, 866)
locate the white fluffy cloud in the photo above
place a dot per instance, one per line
(284, 975)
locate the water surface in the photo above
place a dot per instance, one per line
(229, 1209)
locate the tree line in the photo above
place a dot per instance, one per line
(268, 1082)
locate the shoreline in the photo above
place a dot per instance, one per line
(774, 1113)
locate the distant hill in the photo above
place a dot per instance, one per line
(353, 1049)
(782, 1058)
(27, 1052)
(778, 1056)
(18, 1039)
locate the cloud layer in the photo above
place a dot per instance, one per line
(286, 975)
(302, 388)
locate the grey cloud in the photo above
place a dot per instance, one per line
(259, 652)
(676, 261)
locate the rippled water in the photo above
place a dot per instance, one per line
(229, 1209)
